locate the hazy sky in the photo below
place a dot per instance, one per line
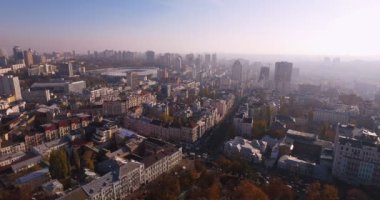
(316, 27)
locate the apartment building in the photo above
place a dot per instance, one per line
(357, 156)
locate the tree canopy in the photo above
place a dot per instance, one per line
(59, 164)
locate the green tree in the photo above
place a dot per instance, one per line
(59, 164)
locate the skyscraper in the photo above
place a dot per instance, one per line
(10, 85)
(264, 76)
(39, 59)
(190, 59)
(166, 90)
(237, 72)
(149, 57)
(28, 57)
(3, 61)
(178, 63)
(213, 59)
(207, 59)
(18, 55)
(66, 69)
(283, 76)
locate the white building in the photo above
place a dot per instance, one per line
(295, 165)
(249, 150)
(356, 156)
(116, 184)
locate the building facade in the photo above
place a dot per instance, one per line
(356, 156)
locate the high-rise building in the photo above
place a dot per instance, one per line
(18, 55)
(28, 57)
(264, 73)
(237, 72)
(39, 59)
(132, 80)
(178, 63)
(264, 76)
(166, 90)
(10, 85)
(213, 59)
(283, 76)
(130, 56)
(207, 59)
(66, 69)
(190, 58)
(166, 59)
(163, 74)
(3, 53)
(149, 56)
(295, 74)
(3, 61)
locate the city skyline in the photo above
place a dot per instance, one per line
(238, 27)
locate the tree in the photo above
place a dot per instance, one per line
(214, 190)
(76, 159)
(166, 118)
(224, 163)
(267, 115)
(258, 129)
(166, 187)
(199, 167)
(313, 191)
(248, 191)
(356, 194)
(277, 189)
(88, 160)
(186, 179)
(329, 192)
(59, 164)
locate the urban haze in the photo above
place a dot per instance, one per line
(180, 99)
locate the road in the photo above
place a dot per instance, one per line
(212, 142)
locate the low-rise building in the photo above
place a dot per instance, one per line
(61, 87)
(8, 147)
(161, 162)
(104, 133)
(295, 165)
(155, 128)
(34, 179)
(249, 150)
(116, 184)
(52, 188)
(114, 108)
(25, 163)
(10, 158)
(39, 96)
(45, 149)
